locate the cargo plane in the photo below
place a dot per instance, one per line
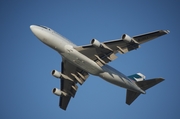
(80, 61)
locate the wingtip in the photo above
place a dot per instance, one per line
(166, 31)
(162, 79)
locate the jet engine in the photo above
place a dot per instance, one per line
(58, 92)
(56, 74)
(126, 38)
(95, 43)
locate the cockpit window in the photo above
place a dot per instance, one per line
(44, 27)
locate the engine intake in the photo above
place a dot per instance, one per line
(95, 43)
(56, 74)
(58, 92)
(126, 38)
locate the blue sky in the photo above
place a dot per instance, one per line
(26, 63)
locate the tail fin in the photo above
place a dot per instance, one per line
(144, 85)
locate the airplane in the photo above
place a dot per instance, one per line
(80, 61)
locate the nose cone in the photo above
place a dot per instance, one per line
(32, 27)
(37, 31)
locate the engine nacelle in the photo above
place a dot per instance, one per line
(58, 92)
(56, 74)
(126, 38)
(95, 43)
(137, 77)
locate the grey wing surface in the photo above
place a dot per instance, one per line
(106, 53)
(69, 85)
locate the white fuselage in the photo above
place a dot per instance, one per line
(66, 49)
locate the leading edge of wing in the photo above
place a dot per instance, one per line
(64, 100)
(162, 32)
(69, 82)
(101, 54)
(156, 33)
(142, 38)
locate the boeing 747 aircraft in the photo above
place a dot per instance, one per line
(80, 61)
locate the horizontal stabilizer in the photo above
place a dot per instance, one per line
(144, 85)
(131, 96)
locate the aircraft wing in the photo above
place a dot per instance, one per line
(75, 75)
(107, 50)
